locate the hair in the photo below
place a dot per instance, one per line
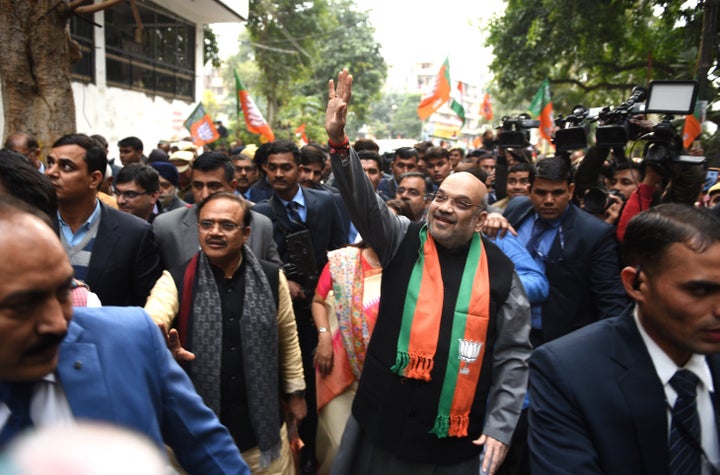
(210, 161)
(460, 150)
(436, 152)
(21, 180)
(406, 152)
(370, 155)
(400, 207)
(429, 187)
(475, 171)
(95, 157)
(523, 167)
(553, 169)
(366, 144)
(224, 195)
(11, 205)
(144, 176)
(101, 140)
(520, 154)
(312, 153)
(422, 147)
(284, 146)
(261, 155)
(480, 154)
(31, 142)
(132, 142)
(651, 232)
(242, 156)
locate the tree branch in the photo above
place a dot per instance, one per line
(591, 87)
(75, 6)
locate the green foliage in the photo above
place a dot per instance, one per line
(395, 116)
(297, 47)
(592, 51)
(210, 47)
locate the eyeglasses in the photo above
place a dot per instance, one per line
(130, 194)
(410, 191)
(225, 226)
(462, 204)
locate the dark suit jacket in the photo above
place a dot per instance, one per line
(323, 221)
(124, 263)
(584, 274)
(114, 367)
(597, 405)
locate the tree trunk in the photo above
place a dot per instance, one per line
(35, 69)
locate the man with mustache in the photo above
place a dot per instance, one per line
(59, 364)
(176, 231)
(445, 371)
(307, 224)
(234, 313)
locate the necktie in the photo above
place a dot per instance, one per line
(685, 426)
(538, 230)
(17, 397)
(292, 210)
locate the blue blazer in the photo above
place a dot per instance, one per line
(583, 270)
(114, 367)
(597, 405)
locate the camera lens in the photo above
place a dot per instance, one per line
(595, 200)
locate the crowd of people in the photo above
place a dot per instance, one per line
(278, 309)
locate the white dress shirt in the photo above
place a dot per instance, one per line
(49, 405)
(666, 368)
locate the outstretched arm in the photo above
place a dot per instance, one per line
(378, 226)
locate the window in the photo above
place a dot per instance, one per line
(157, 60)
(82, 31)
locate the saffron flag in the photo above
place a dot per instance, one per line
(301, 135)
(486, 107)
(439, 94)
(692, 127)
(201, 127)
(254, 120)
(541, 107)
(457, 103)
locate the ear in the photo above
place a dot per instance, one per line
(480, 220)
(632, 280)
(96, 178)
(571, 188)
(155, 196)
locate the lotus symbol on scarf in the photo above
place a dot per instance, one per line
(468, 353)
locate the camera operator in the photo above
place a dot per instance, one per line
(662, 183)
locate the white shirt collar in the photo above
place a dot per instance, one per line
(666, 367)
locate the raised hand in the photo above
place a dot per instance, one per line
(336, 113)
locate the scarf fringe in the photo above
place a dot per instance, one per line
(450, 426)
(269, 456)
(413, 366)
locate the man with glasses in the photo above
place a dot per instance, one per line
(169, 179)
(415, 188)
(137, 190)
(234, 313)
(406, 160)
(577, 251)
(113, 252)
(176, 231)
(445, 372)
